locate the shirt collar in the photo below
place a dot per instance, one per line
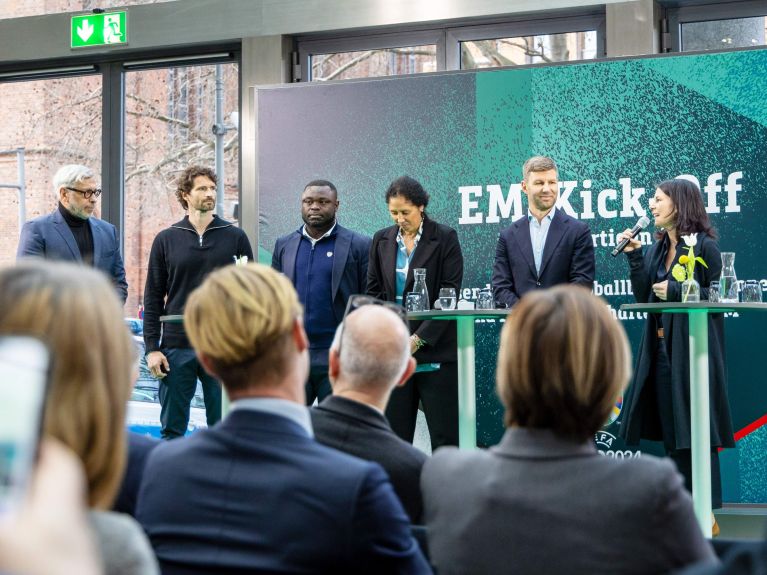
(549, 216)
(295, 412)
(325, 235)
(401, 241)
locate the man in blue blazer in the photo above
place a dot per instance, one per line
(547, 247)
(256, 493)
(70, 233)
(326, 263)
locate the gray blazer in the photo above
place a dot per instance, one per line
(122, 544)
(537, 503)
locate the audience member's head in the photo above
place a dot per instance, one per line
(563, 362)
(245, 324)
(74, 309)
(370, 354)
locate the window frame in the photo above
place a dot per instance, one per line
(112, 68)
(678, 16)
(449, 36)
(539, 27)
(332, 45)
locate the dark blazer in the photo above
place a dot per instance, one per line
(358, 429)
(49, 237)
(139, 447)
(568, 257)
(256, 494)
(538, 503)
(350, 264)
(637, 420)
(440, 253)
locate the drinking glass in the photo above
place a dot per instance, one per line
(752, 292)
(413, 302)
(713, 292)
(485, 299)
(447, 298)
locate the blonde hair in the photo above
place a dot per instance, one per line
(241, 318)
(563, 362)
(75, 310)
(538, 164)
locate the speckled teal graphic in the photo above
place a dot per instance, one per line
(615, 128)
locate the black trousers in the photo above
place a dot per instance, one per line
(682, 457)
(177, 390)
(438, 392)
(317, 385)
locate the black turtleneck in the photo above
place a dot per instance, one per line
(81, 229)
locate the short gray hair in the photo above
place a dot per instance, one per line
(69, 175)
(371, 356)
(538, 164)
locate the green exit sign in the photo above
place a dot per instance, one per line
(99, 29)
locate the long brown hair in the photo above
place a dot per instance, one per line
(691, 216)
(75, 310)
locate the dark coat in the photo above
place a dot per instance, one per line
(568, 257)
(139, 448)
(359, 430)
(257, 494)
(49, 237)
(638, 416)
(440, 253)
(350, 264)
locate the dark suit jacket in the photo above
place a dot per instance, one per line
(537, 503)
(49, 237)
(360, 430)
(256, 494)
(350, 264)
(139, 447)
(440, 253)
(568, 257)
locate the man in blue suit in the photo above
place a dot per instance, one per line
(70, 233)
(326, 263)
(256, 493)
(547, 247)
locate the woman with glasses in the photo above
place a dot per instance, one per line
(416, 241)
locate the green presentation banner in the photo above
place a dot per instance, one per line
(615, 128)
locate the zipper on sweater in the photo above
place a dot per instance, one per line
(200, 236)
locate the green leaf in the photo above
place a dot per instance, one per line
(700, 260)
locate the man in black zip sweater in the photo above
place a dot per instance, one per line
(182, 255)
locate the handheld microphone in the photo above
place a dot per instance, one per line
(643, 222)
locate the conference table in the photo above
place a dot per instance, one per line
(699, 391)
(467, 404)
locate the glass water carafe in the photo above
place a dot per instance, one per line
(728, 282)
(419, 286)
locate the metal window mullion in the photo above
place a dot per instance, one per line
(112, 147)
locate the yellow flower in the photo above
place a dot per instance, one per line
(683, 259)
(678, 272)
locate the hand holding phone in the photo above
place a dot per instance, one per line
(23, 385)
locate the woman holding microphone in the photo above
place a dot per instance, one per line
(656, 405)
(417, 241)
